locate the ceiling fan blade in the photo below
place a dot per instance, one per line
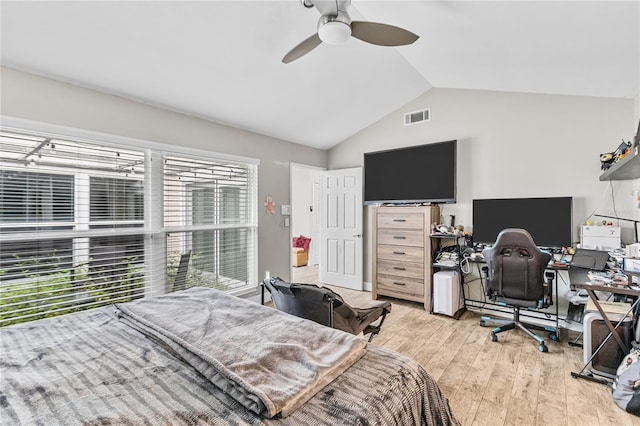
(302, 49)
(382, 34)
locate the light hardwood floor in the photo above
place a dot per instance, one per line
(508, 382)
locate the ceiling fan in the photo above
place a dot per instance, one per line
(335, 26)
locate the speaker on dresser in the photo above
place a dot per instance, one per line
(606, 361)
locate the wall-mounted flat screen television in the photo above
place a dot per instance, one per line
(416, 174)
(548, 220)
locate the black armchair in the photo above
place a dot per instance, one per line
(516, 278)
(326, 307)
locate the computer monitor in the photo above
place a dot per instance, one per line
(548, 219)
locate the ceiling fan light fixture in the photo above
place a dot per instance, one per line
(334, 32)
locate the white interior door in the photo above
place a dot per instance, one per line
(341, 231)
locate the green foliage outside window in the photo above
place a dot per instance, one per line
(63, 291)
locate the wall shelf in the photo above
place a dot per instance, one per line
(625, 169)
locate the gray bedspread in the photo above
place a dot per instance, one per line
(91, 368)
(269, 362)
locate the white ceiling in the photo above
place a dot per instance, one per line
(220, 60)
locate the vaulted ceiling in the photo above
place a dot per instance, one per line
(221, 60)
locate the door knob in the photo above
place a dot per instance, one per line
(357, 236)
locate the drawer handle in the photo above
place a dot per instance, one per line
(399, 252)
(397, 283)
(399, 237)
(399, 220)
(399, 268)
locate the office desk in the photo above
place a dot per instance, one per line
(591, 289)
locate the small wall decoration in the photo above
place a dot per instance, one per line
(269, 205)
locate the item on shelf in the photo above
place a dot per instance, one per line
(609, 158)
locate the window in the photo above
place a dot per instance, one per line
(79, 229)
(116, 199)
(210, 212)
(35, 197)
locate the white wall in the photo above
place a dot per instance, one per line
(40, 99)
(512, 145)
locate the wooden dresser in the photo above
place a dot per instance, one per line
(402, 252)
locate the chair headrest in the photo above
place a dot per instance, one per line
(515, 237)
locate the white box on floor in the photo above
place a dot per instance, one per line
(446, 292)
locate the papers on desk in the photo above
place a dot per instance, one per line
(607, 278)
(602, 278)
(609, 307)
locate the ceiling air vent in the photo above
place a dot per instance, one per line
(417, 117)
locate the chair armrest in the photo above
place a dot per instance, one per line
(549, 276)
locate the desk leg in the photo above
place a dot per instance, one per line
(590, 378)
(556, 333)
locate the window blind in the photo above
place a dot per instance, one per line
(76, 233)
(71, 225)
(209, 212)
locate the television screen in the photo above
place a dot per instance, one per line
(548, 220)
(416, 174)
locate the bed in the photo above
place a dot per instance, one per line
(200, 356)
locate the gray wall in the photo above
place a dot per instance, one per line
(40, 99)
(513, 145)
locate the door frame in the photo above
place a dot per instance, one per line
(310, 168)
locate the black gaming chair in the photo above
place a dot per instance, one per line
(324, 306)
(515, 274)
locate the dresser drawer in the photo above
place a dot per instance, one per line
(401, 253)
(402, 269)
(403, 286)
(400, 237)
(401, 220)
